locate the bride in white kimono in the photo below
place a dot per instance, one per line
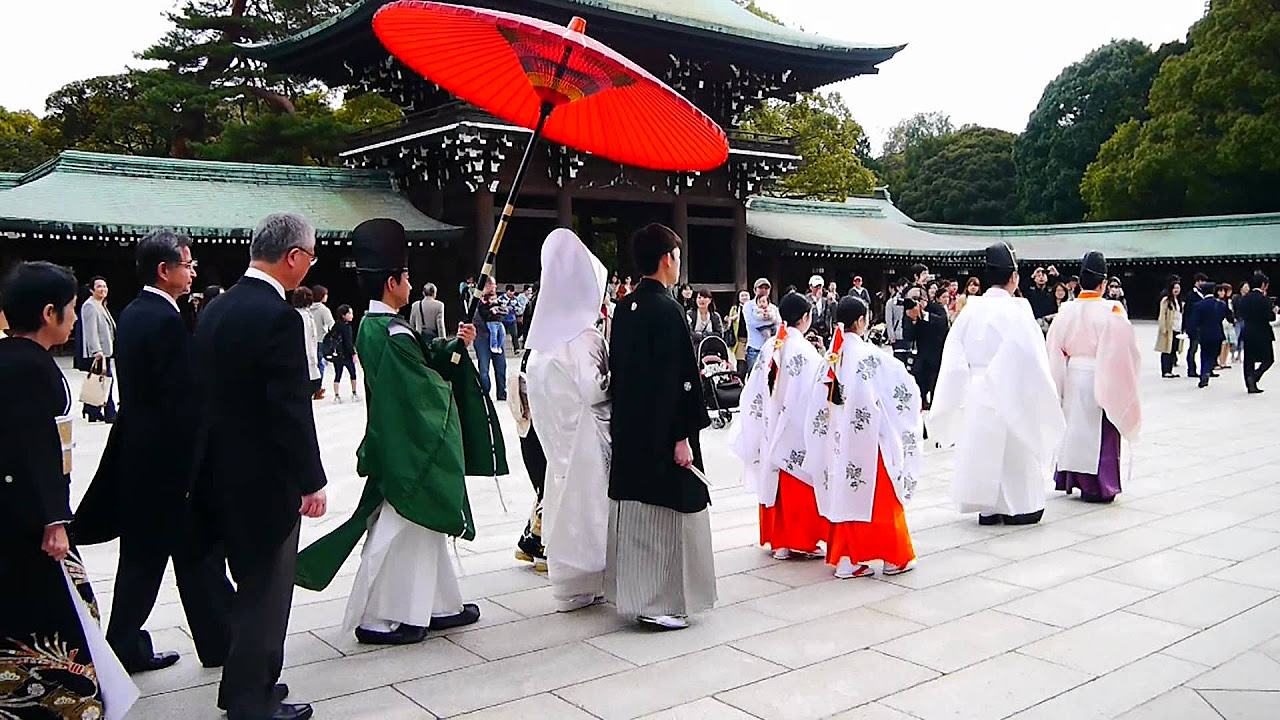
(568, 376)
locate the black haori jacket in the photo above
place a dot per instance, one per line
(657, 401)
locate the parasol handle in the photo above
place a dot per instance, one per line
(509, 210)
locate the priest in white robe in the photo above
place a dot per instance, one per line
(863, 449)
(770, 437)
(568, 376)
(996, 400)
(1095, 361)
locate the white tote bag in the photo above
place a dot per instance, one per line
(96, 390)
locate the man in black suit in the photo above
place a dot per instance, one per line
(1189, 322)
(140, 491)
(258, 465)
(1257, 313)
(929, 327)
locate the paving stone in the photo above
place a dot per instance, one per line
(1107, 521)
(1075, 602)
(1261, 571)
(501, 681)
(825, 638)
(815, 692)
(383, 703)
(945, 567)
(523, 636)
(545, 705)
(968, 640)
(1243, 704)
(1177, 704)
(1028, 542)
(1231, 637)
(1250, 671)
(1048, 570)
(1200, 521)
(1116, 692)
(1133, 543)
(1202, 603)
(347, 675)
(704, 709)
(1164, 570)
(873, 711)
(941, 603)
(1110, 642)
(822, 599)
(742, 587)
(996, 688)
(635, 693)
(1237, 543)
(642, 645)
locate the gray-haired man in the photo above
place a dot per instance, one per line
(258, 463)
(426, 316)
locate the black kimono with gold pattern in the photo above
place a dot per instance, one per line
(46, 671)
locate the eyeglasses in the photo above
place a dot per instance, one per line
(308, 252)
(190, 264)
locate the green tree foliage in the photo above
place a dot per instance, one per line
(1080, 110)
(825, 134)
(754, 8)
(969, 180)
(910, 143)
(1212, 142)
(131, 113)
(24, 143)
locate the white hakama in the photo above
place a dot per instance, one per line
(405, 577)
(996, 400)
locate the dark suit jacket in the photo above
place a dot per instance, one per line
(257, 454)
(657, 401)
(1209, 314)
(930, 335)
(34, 492)
(143, 481)
(1190, 300)
(1257, 313)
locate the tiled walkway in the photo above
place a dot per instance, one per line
(1163, 606)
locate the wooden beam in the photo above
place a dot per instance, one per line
(740, 245)
(680, 223)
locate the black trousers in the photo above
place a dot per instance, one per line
(1193, 347)
(202, 585)
(1166, 363)
(259, 621)
(1258, 359)
(1209, 350)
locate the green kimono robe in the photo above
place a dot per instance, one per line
(429, 426)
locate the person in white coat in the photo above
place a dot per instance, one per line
(997, 401)
(569, 403)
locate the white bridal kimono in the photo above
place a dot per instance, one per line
(1095, 362)
(568, 377)
(878, 416)
(997, 401)
(769, 433)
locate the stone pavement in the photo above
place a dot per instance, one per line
(1164, 605)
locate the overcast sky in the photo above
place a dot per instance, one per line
(980, 61)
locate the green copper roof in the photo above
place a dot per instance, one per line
(98, 194)
(9, 179)
(869, 227)
(722, 17)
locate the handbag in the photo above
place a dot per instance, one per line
(96, 391)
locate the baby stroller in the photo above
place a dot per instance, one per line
(721, 385)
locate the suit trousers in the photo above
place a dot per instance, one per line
(1209, 356)
(1166, 363)
(1257, 360)
(259, 621)
(202, 585)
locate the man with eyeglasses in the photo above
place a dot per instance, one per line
(140, 493)
(258, 464)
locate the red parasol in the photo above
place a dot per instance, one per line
(557, 82)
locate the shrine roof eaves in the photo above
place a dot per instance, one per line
(723, 18)
(95, 193)
(871, 227)
(9, 179)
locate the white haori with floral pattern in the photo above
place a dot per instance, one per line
(879, 416)
(769, 434)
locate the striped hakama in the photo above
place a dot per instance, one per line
(659, 560)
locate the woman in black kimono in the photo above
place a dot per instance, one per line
(46, 670)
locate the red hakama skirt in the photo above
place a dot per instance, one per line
(793, 523)
(884, 538)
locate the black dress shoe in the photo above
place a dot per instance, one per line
(403, 635)
(158, 661)
(988, 519)
(1023, 519)
(469, 615)
(284, 712)
(279, 693)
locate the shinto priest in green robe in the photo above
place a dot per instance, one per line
(429, 426)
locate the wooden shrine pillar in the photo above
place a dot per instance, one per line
(680, 223)
(484, 224)
(739, 247)
(564, 208)
(435, 202)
